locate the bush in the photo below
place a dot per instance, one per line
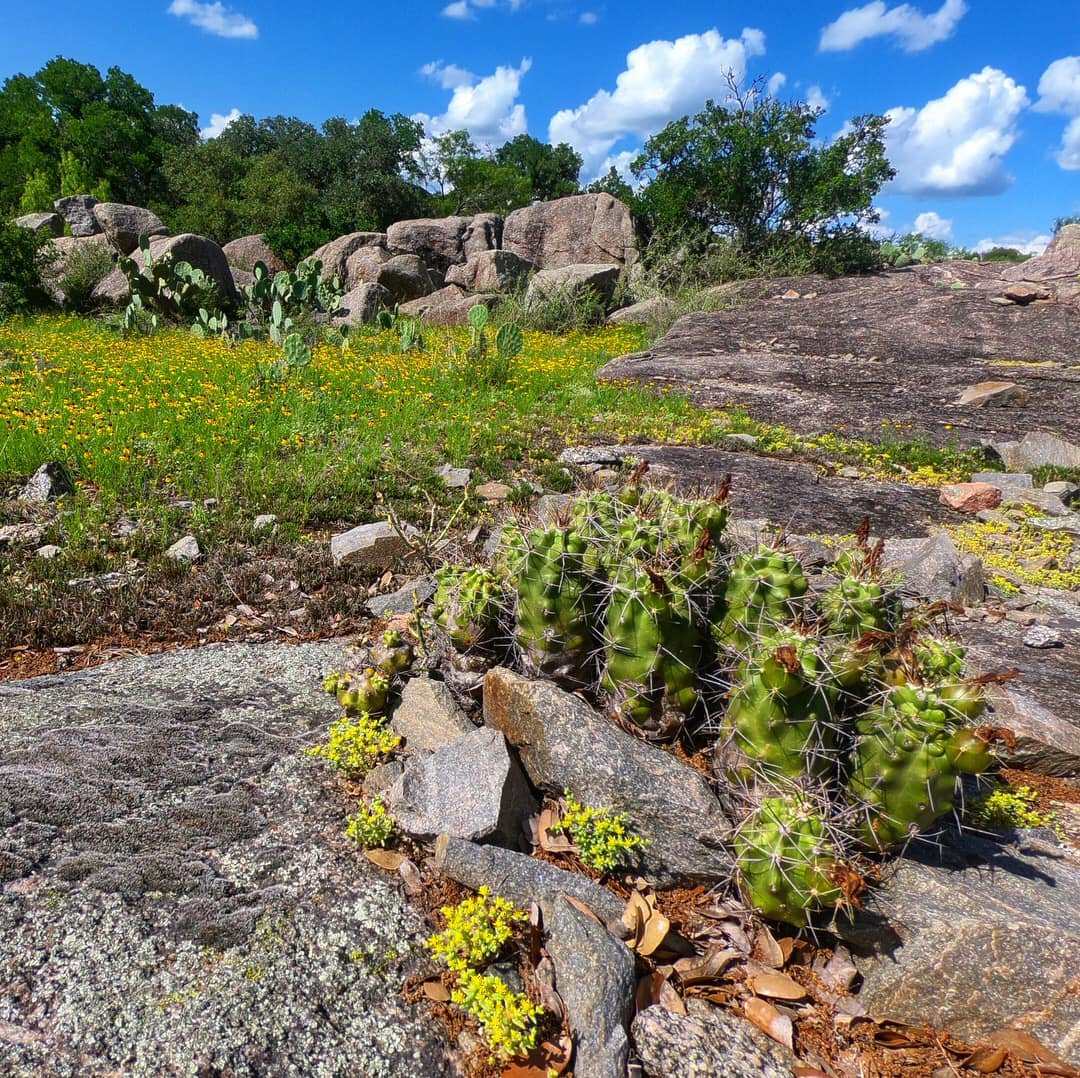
(559, 311)
(86, 266)
(23, 258)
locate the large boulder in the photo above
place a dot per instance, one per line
(1059, 262)
(198, 251)
(78, 213)
(490, 271)
(335, 255)
(125, 224)
(407, 277)
(572, 231)
(483, 233)
(363, 302)
(439, 241)
(448, 306)
(364, 264)
(65, 246)
(41, 224)
(575, 282)
(244, 252)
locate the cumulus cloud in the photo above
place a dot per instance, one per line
(1059, 92)
(933, 226)
(467, 9)
(776, 83)
(218, 123)
(911, 28)
(1027, 243)
(816, 99)
(956, 144)
(215, 18)
(662, 81)
(485, 107)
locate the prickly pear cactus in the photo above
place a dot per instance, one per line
(910, 753)
(467, 605)
(556, 608)
(764, 590)
(789, 865)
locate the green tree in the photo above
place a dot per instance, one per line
(552, 171)
(613, 184)
(38, 194)
(755, 171)
(469, 181)
(75, 178)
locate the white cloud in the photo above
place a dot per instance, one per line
(956, 144)
(933, 226)
(914, 30)
(1028, 243)
(467, 9)
(1059, 91)
(588, 18)
(776, 83)
(219, 122)
(662, 81)
(485, 107)
(816, 99)
(215, 18)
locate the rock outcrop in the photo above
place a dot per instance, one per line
(244, 252)
(125, 224)
(41, 224)
(581, 229)
(78, 214)
(335, 255)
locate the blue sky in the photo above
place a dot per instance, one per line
(985, 94)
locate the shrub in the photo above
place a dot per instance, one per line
(601, 837)
(23, 258)
(476, 930)
(86, 266)
(509, 1021)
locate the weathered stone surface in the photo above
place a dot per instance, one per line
(565, 745)
(176, 895)
(1047, 503)
(483, 233)
(790, 494)
(335, 254)
(52, 480)
(125, 224)
(405, 600)
(575, 280)
(470, 788)
(594, 975)
(454, 478)
(78, 213)
(448, 306)
(970, 497)
(364, 264)
(1060, 260)
(185, 549)
(972, 935)
(519, 878)
(244, 252)
(13, 535)
(264, 522)
(494, 491)
(1005, 480)
(64, 247)
(993, 394)
(706, 1043)
(648, 310)
(935, 569)
(1038, 449)
(439, 241)
(406, 277)
(490, 271)
(427, 717)
(1068, 492)
(47, 224)
(572, 231)
(241, 278)
(892, 347)
(362, 303)
(377, 546)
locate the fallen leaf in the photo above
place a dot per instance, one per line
(670, 1000)
(548, 841)
(414, 883)
(436, 991)
(893, 1038)
(766, 950)
(770, 1021)
(655, 932)
(709, 967)
(648, 991)
(391, 860)
(776, 986)
(786, 945)
(1023, 1045)
(986, 1059)
(809, 1072)
(579, 905)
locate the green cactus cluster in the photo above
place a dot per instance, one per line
(840, 726)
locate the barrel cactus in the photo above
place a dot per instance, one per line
(764, 590)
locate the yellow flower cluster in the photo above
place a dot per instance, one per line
(509, 1020)
(372, 826)
(356, 744)
(1020, 553)
(601, 837)
(476, 930)
(1004, 808)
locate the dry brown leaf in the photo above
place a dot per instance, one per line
(770, 1021)
(579, 905)
(391, 860)
(776, 986)
(893, 1038)
(544, 974)
(548, 841)
(655, 932)
(786, 945)
(986, 1059)
(709, 967)
(809, 1072)
(766, 950)
(648, 990)
(436, 991)
(1023, 1045)
(670, 1000)
(414, 882)
(634, 917)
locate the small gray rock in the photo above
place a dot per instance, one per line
(186, 549)
(471, 788)
(1042, 636)
(42, 224)
(427, 717)
(12, 535)
(935, 569)
(52, 480)
(454, 478)
(550, 507)
(1068, 523)
(78, 212)
(594, 975)
(1037, 449)
(1004, 480)
(264, 521)
(1069, 493)
(405, 600)
(740, 441)
(1050, 504)
(48, 552)
(377, 546)
(519, 878)
(379, 780)
(706, 1043)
